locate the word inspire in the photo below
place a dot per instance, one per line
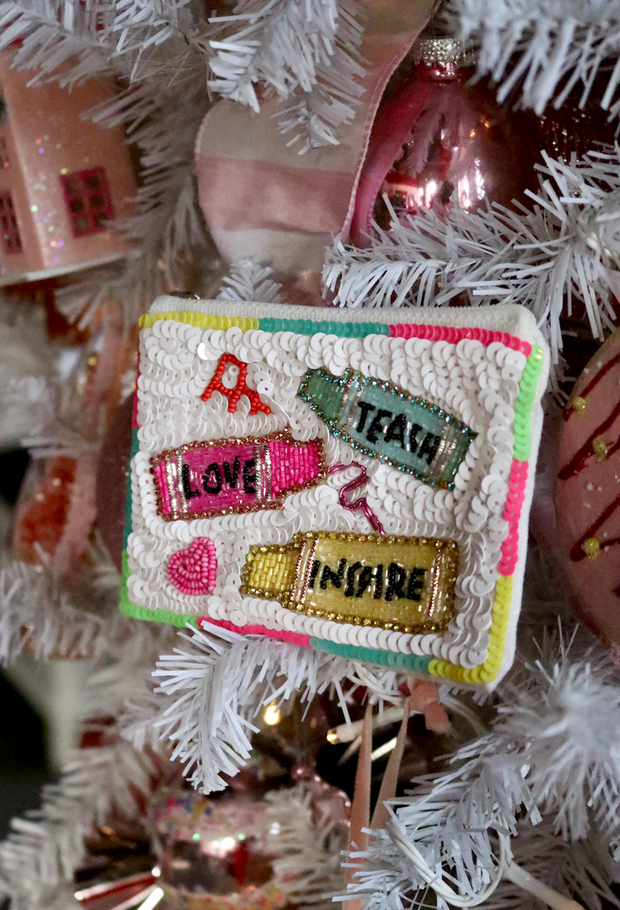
(358, 578)
(403, 584)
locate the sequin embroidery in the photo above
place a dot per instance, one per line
(204, 479)
(241, 388)
(405, 584)
(388, 423)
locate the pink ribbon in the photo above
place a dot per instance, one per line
(360, 504)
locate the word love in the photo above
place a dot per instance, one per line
(206, 479)
(405, 584)
(388, 423)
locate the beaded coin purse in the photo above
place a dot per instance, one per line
(356, 482)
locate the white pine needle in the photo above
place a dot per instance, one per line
(213, 687)
(543, 48)
(306, 51)
(45, 847)
(307, 843)
(543, 785)
(567, 247)
(248, 281)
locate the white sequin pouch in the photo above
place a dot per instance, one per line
(354, 482)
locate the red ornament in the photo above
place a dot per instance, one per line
(240, 389)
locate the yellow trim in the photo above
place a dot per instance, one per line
(200, 320)
(487, 672)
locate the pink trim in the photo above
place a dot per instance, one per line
(512, 513)
(454, 335)
(162, 482)
(392, 126)
(293, 638)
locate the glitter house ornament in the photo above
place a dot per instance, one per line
(439, 592)
(63, 179)
(587, 490)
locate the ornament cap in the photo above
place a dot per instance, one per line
(443, 52)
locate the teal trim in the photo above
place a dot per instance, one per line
(135, 445)
(125, 604)
(373, 655)
(308, 327)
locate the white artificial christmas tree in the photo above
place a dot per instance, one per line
(539, 791)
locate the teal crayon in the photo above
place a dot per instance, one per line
(385, 422)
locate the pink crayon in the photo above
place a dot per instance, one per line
(205, 479)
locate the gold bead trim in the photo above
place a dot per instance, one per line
(315, 572)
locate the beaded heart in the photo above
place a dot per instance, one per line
(192, 570)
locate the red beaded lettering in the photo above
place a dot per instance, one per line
(240, 389)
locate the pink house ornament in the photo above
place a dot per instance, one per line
(63, 179)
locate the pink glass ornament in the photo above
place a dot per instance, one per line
(222, 852)
(440, 140)
(214, 852)
(62, 178)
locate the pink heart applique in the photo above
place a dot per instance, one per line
(192, 570)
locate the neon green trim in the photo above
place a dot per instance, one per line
(523, 405)
(488, 671)
(130, 609)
